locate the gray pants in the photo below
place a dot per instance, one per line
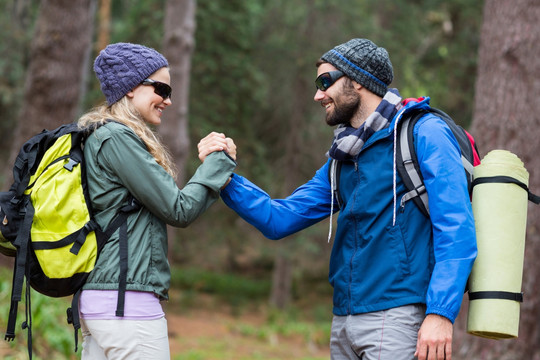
(383, 335)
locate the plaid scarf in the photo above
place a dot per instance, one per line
(348, 141)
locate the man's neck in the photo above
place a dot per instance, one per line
(368, 104)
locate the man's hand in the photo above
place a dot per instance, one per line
(435, 339)
(216, 142)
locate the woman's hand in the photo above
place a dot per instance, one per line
(216, 142)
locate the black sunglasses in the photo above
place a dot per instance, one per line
(160, 88)
(327, 79)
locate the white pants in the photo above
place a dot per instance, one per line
(125, 339)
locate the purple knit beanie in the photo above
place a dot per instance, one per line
(121, 67)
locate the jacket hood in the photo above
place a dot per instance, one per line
(409, 104)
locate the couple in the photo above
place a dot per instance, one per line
(398, 276)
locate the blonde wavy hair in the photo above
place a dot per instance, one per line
(124, 112)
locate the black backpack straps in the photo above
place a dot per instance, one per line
(82, 234)
(120, 223)
(122, 283)
(19, 269)
(73, 316)
(27, 324)
(20, 174)
(12, 317)
(508, 180)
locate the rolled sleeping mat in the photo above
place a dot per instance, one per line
(499, 202)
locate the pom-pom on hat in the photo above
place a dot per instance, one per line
(364, 62)
(121, 67)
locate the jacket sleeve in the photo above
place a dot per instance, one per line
(277, 218)
(454, 236)
(125, 154)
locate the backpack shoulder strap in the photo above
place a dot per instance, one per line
(334, 172)
(468, 152)
(407, 161)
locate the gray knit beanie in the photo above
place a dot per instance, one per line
(121, 67)
(364, 62)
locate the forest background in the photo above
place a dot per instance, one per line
(246, 68)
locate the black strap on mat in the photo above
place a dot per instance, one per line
(507, 180)
(505, 295)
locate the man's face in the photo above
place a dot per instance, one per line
(340, 99)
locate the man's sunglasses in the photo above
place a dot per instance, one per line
(160, 88)
(327, 79)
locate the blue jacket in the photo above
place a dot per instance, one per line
(384, 255)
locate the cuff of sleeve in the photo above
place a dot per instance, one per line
(214, 171)
(442, 312)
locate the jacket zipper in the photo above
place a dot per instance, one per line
(58, 159)
(351, 261)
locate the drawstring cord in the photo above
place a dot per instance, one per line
(332, 187)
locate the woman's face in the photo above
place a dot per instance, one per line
(149, 104)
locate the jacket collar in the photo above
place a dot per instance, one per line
(409, 104)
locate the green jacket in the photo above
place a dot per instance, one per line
(118, 164)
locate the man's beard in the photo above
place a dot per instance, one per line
(343, 112)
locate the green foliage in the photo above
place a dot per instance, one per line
(233, 289)
(226, 87)
(138, 21)
(433, 46)
(52, 336)
(315, 333)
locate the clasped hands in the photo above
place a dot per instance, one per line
(216, 142)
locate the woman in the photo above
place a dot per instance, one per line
(125, 160)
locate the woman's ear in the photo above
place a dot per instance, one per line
(130, 94)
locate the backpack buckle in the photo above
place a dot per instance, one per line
(69, 313)
(71, 164)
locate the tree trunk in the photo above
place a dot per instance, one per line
(280, 295)
(104, 27)
(58, 61)
(178, 47)
(505, 117)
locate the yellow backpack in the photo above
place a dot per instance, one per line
(46, 223)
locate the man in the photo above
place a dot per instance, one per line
(398, 276)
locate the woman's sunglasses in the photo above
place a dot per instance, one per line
(327, 79)
(160, 88)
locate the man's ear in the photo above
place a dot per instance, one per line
(357, 86)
